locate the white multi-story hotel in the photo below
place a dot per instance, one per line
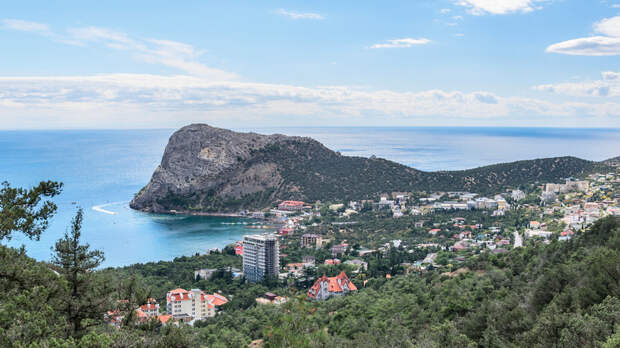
(261, 257)
(193, 304)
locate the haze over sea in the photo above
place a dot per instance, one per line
(103, 169)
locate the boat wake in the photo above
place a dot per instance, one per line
(100, 208)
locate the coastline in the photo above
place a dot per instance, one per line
(235, 215)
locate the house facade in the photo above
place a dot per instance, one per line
(194, 304)
(326, 287)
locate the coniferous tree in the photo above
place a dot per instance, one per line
(21, 211)
(86, 297)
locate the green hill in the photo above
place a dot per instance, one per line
(206, 169)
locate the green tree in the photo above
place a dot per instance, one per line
(86, 295)
(21, 210)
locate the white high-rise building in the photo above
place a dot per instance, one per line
(261, 257)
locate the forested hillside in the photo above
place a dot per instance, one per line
(564, 294)
(318, 173)
(560, 295)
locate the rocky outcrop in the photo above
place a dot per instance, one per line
(207, 170)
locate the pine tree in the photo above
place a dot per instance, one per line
(21, 209)
(86, 295)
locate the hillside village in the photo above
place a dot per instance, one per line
(326, 249)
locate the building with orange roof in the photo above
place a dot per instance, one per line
(164, 318)
(151, 308)
(326, 287)
(187, 305)
(141, 316)
(331, 262)
(217, 300)
(291, 205)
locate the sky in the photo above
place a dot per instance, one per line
(164, 64)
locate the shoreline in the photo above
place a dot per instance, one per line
(235, 215)
(189, 213)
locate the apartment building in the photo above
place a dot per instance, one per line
(187, 305)
(310, 240)
(261, 257)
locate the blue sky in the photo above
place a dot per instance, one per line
(152, 64)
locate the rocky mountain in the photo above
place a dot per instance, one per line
(207, 169)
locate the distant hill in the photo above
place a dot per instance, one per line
(207, 169)
(614, 162)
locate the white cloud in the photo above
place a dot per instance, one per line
(606, 44)
(401, 43)
(608, 86)
(444, 11)
(207, 94)
(181, 99)
(498, 7)
(299, 15)
(610, 75)
(608, 26)
(18, 24)
(173, 54)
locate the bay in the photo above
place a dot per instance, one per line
(103, 169)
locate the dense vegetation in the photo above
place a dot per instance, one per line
(313, 172)
(564, 294)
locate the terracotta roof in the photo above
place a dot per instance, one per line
(292, 203)
(164, 318)
(179, 295)
(334, 284)
(178, 290)
(332, 262)
(149, 306)
(217, 299)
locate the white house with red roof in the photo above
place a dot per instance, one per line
(150, 309)
(194, 304)
(291, 205)
(326, 287)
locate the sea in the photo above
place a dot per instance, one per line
(103, 169)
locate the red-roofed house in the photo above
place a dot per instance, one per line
(141, 316)
(291, 205)
(194, 304)
(326, 287)
(332, 262)
(217, 300)
(285, 231)
(164, 318)
(239, 249)
(151, 308)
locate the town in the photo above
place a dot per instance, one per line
(332, 249)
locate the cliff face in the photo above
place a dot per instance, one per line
(207, 169)
(210, 169)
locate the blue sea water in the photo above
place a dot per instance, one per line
(103, 169)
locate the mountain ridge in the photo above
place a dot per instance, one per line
(207, 169)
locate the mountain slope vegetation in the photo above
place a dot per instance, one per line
(206, 169)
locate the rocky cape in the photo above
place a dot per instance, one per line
(212, 170)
